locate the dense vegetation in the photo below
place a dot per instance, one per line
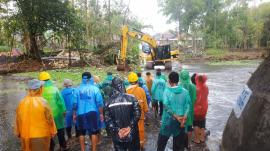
(87, 25)
(221, 23)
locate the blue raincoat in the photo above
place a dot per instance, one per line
(68, 95)
(88, 99)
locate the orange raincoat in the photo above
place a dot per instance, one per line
(149, 83)
(140, 95)
(34, 124)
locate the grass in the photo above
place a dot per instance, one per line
(216, 52)
(4, 48)
(235, 63)
(74, 74)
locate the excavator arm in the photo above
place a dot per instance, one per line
(121, 63)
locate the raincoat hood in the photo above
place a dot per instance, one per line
(118, 85)
(109, 77)
(202, 82)
(176, 89)
(184, 76)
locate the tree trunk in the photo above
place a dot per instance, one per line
(34, 51)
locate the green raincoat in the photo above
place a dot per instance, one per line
(56, 102)
(176, 101)
(105, 87)
(158, 88)
(191, 88)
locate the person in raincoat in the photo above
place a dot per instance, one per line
(140, 78)
(162, 75)
(185, 83)
(148, 96)
(57, 104)
(34, 121)
(157, 90)
(122, 127)
(105, 86)
(149, 81)
(89, 111)
(68, 95)
(140, 95)
(200, 109)
(176, 109)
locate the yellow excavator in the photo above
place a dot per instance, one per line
(156, 56)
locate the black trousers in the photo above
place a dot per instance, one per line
(158, 106)
(61, 139)
(68, 131)
(178, 141)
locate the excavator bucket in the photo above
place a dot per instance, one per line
(122, 65)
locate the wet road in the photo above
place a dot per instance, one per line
(224, 82)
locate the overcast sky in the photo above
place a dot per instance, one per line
(149, 12)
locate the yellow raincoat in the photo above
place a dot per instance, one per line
(140, 95)
(34, 124)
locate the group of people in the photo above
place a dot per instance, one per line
(118, 106)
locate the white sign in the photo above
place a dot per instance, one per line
(242, 101)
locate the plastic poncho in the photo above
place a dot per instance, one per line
(163, 76)
(140, 95)
(176, 101)
(148, 97)
(158, 88)
(34, 118)
(87, 98)
(201, 105)
(149, 83)
(69, 98)
(105, 87)
(141, 80)
(191, 88)
(56, 102)
(116, 110)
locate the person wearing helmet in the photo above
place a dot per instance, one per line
(140, 95)
(185, 83)
(57, 104)
(89, 111)
(176, 108)
(157, 90)
(68, 95)
(34, 121)
(122, 127)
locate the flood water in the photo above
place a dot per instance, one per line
(224, 82)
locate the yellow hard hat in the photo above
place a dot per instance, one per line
(132, 77)
(43, 76)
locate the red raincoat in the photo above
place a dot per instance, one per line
(201, 105)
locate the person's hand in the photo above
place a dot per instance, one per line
(101, 117)
(126, 131)
(123, 132)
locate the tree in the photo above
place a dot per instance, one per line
(38, 16)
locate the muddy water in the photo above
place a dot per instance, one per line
(224, 82)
